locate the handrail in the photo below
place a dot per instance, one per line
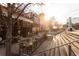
(58, 46)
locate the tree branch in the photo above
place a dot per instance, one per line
(22, 12)
(17, 8)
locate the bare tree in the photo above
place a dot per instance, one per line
(11, 9)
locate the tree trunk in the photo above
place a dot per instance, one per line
(9, 30)
(9, 38)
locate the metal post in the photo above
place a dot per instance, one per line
(21, 49)
(69, 50)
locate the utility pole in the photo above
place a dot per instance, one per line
(70, 24)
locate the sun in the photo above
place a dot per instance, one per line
(47, 17)
(51, 10)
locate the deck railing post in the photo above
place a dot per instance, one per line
(69, 47)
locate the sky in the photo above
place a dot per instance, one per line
(61, 11)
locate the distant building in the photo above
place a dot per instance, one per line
(42, 21)
(75, 20)
(26, 21)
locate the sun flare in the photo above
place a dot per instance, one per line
(51, 10)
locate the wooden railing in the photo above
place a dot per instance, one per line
(70, 45)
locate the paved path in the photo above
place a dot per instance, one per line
(46, 45)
